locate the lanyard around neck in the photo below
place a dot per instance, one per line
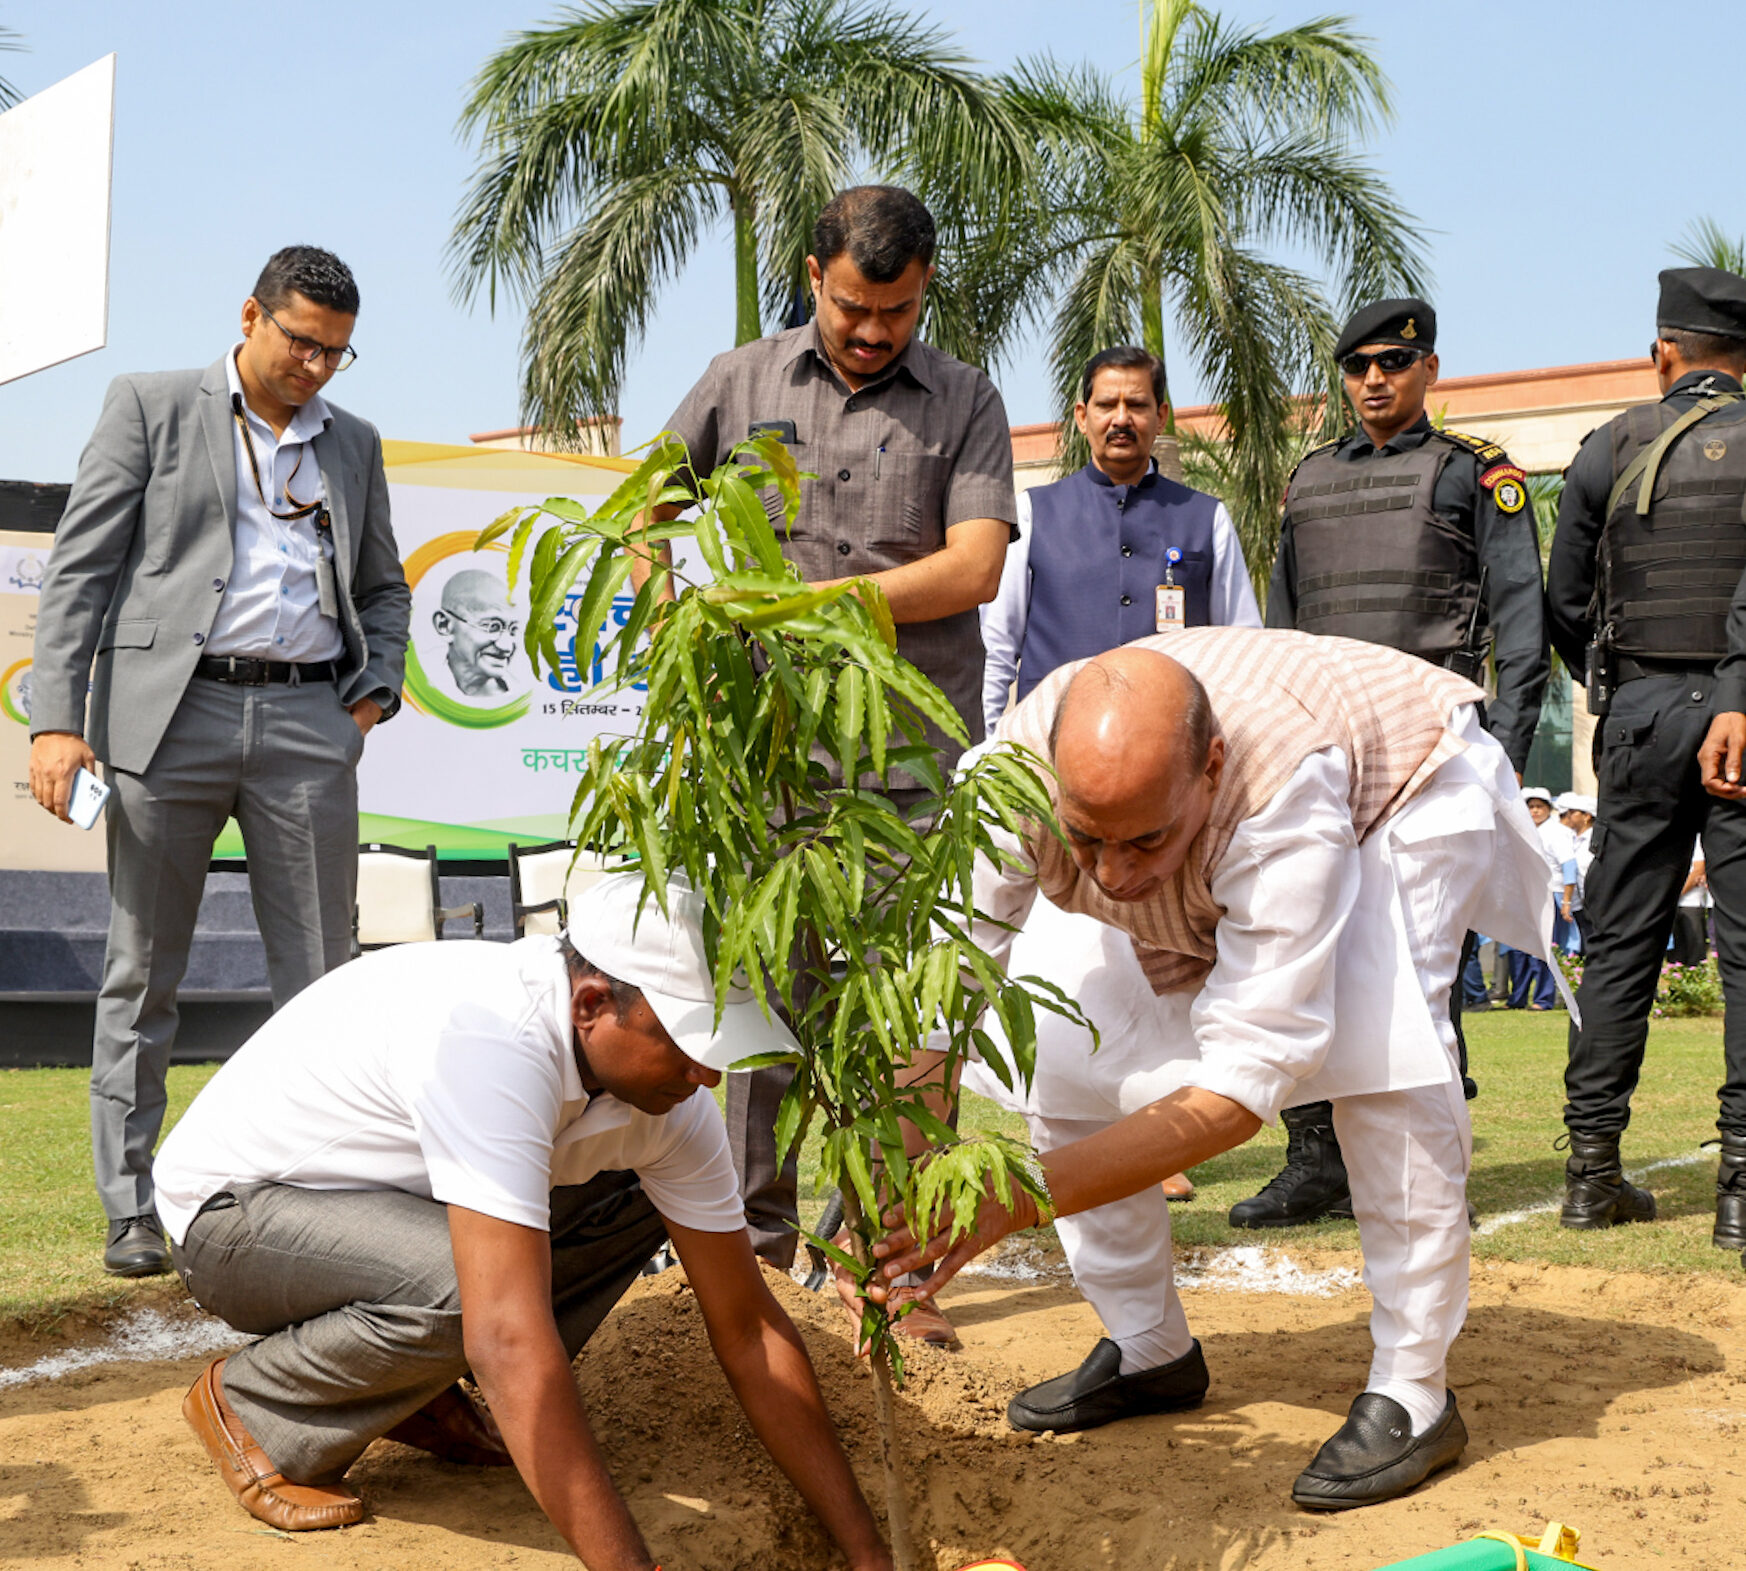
(318, 507)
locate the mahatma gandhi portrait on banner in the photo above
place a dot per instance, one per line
(476, 623)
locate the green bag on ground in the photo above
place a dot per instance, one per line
(1555, 1551)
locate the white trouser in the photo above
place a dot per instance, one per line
(1407, 1157)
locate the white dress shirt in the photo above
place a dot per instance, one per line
(1005, 617)
(445, 1071)
(271, 608)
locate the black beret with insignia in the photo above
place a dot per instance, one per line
(1703, 300)
(1410, 323)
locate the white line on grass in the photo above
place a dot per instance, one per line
(144, 1336)
(1494, 1224)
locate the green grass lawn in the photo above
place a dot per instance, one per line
(53, 1228)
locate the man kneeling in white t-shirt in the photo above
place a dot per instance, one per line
(454, 1157)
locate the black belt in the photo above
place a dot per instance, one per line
(245, 672)
(1635, 670)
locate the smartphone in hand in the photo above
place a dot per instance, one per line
(86, 802)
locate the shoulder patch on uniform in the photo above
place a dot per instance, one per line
(1508, 486)
(1314, 452)
(1485, 451)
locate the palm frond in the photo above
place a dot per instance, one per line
(599, 292)
(1707, 244)
(11, 42)
(1317, 77)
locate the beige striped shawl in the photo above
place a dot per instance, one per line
(1277, 697)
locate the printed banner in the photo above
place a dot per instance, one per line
(29, 837)
(480, 753)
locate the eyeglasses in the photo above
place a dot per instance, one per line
(491, 626)
(1390, 362)
(306, 349)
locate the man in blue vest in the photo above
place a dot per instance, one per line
(1111, 553)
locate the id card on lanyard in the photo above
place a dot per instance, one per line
(1172, 597)
(326, 580)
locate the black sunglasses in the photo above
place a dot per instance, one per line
(1390, 362)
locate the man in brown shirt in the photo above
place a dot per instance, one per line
(914, 463)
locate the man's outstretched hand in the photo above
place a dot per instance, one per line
(1719, 759)
(901, 1252)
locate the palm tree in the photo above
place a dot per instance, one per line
(1706, 244)
(1240, 145)
(614, 139)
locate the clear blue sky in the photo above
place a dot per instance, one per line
(1552, 151)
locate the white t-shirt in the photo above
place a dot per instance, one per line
(1560, 843)
(1697, 898)
(442, 1070)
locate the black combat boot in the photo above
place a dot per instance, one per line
(1730, 1230)
(1311, 1185)
(1596, 1193)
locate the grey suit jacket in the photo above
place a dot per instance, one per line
(143, 552)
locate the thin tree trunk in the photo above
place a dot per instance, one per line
(747, 322)
(885, 1407)
(1152, 334)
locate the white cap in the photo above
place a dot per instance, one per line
(1575, 801)
(1536, 794)
(665, 959)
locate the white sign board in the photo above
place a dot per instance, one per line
(55, 156)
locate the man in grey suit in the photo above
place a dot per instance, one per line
(226, 557)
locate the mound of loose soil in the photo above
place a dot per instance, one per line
(1609, 1402)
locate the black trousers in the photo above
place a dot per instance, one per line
(1652, 809)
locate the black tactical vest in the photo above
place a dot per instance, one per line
(1668, 575)
(1375, 560)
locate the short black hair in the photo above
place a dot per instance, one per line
(625, 996)
(307, 270)
(1704, 349)
(883, 228)
(1123, 356)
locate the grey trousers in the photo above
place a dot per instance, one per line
(353, 1293)
(283, 761)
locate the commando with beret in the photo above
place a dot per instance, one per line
(1646, 592)
(1420, 539)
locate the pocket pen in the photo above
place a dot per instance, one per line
(878, 459)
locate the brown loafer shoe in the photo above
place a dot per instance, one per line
(926, 1322)
(261, 1489)
(1178, 1186)
(453, 1427)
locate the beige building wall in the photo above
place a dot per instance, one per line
(600, 438)
(1540, 416)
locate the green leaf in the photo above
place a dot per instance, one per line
(517, 545)
(498, 527)
(850, 718)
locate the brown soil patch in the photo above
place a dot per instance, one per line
(1609, 1402)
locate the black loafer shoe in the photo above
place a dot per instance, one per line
(1098, 1393)
(1374, 1456)
(136, 1247)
